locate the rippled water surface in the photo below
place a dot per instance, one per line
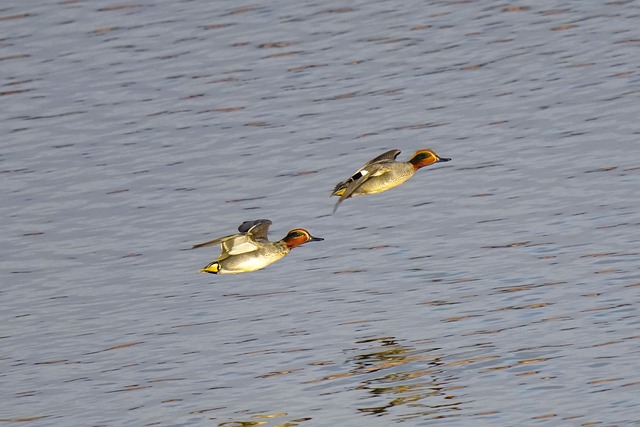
(499, 289)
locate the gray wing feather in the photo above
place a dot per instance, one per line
(257, 229)
(213, 242)
(247, 225)
(385, 157)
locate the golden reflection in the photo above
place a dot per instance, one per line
(22, 419)
(278, 373)
(545, 416)
(471, 360)
(279, 414)
(242, 423)
(515, 8)
(258, 417)
(517, 363)
(398, 375)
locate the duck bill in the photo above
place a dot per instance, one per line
(442, 159)
(315, 239)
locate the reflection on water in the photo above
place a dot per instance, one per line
(259, 420)
(408, 379)
(396, 375)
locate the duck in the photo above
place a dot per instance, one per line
(383, 173)
(250, 249)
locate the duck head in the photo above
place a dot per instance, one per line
(426, 157)
(299, 236)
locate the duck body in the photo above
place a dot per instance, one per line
(243, 263)
(251, 250)
(383, 179)
(383, 173)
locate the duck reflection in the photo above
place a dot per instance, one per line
(260, 421)
(400, 375)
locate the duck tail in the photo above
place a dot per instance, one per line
(339, 189)
(213, 268)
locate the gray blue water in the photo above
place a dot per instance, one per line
(499, 289)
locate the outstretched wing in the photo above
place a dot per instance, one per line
(232, 245)
(214, 241)
(256, 229)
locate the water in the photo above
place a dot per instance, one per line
(497, 289)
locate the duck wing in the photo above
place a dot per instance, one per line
(383, 158)
(251, 240)
(239, 244)
(214, 241)
(370, 169)
(249, 231)
(247, 225)
(389, 156)
(232, 245)
(258, 229)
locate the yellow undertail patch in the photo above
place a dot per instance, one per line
(212, 268)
